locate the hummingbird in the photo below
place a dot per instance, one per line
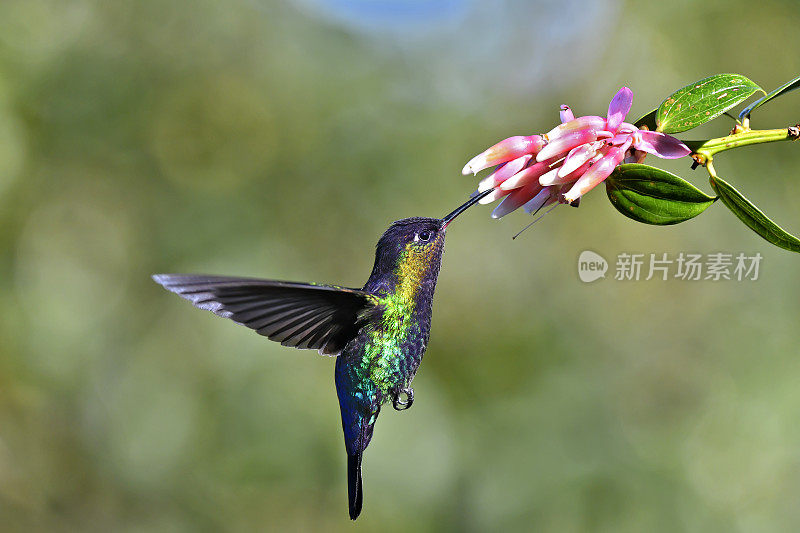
(378, 333)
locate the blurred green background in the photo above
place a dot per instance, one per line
(279, 139)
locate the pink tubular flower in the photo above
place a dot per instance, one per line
(504, 151)
(569, 160)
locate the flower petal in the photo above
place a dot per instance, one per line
(620, 139)
(660, 144)
(565, 143)
(578, 156)
(505, 150)
(516, 199)
(558, 179)
(619, 107)
(546, 196)
(551, 178)
(503, 172)
(492, 196)
(566, 114)
(597, 173)
(586, 122)
(526, 175)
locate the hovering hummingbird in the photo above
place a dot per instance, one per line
(379, 332)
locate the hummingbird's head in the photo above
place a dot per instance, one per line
(411, 249)
(417, 236)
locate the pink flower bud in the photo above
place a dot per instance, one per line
(618, 108)
(578, 156)
(503, 172)
(516, 199)
(526, 175)
(597, 172)
(549, 178)
(505, 150)
(587, 122)
(546, 196)
(492, 196)
(565, 143)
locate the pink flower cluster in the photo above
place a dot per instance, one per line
(568, 161)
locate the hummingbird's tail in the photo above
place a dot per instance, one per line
(355, 491)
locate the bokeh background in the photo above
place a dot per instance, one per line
(279, 139)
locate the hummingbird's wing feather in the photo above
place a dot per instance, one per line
(303, 315)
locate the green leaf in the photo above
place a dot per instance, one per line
(783, 89)
(648, 120)
(654, 196)
(703, 101)
(755, 219)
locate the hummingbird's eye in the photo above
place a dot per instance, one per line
(424, 235)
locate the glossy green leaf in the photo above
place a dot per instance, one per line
(753, 217)
(654, 196)
(703, 101)
(648, 120)
(783, 89)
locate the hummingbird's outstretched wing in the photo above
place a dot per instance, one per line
(302, 315)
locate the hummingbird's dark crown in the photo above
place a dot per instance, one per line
(410, 247)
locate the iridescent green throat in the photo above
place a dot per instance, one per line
(384, 352)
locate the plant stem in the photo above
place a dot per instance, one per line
(707, 149)
(712, 172)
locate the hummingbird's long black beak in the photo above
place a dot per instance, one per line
(463, 207)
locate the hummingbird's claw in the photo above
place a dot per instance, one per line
(399, 405)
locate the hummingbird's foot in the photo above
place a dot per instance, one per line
(400, 405)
